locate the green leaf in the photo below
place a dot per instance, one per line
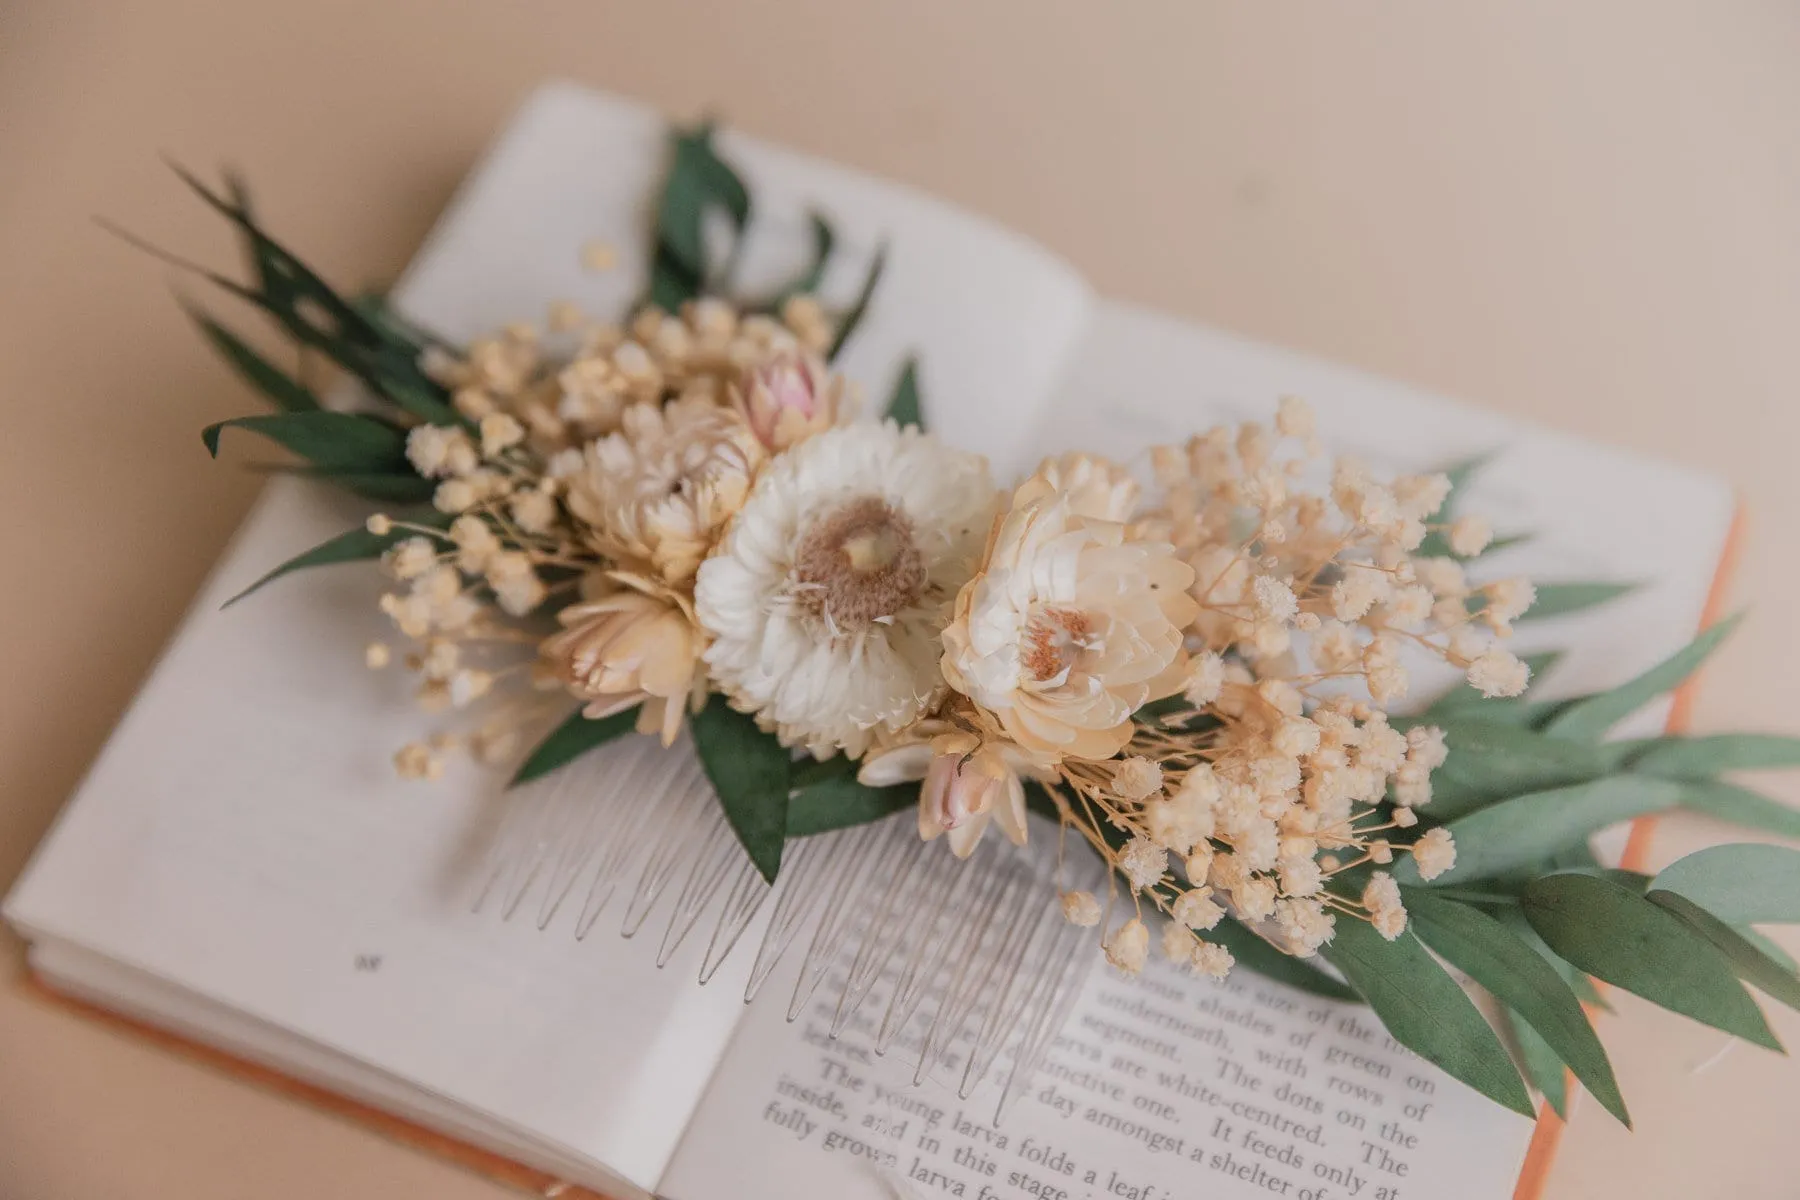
(1583, 987)
(750, 771)
(1561, 599)
(284, 391)
(1705, 757)
(571, 739)
(807, 282)
(853, 317)
(1491, 760)
(1752, 965)
(1485, 950)
(1769, 946)
(333, 440)
(1461, 702)
(394, 487)
(1614, 935)
(1740, 806)
(1745, 884)
(1517, 832)
(833, 798)
(1590, 718)
(903, 406)
(1542, 1067)
(314, 314)
(1259, 956)
(1425, 1010)
(698, 182)
(356, 545)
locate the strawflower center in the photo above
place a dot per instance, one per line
(858, 565)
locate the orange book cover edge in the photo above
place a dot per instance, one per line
(1534, 1174)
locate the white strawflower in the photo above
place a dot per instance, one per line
(1080, 908)
(659, 491)
(1128, 946)
(826, 599)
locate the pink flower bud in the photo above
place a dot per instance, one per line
(787, 400)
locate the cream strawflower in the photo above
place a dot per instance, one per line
(1071, 625)
(826, 599)
(659, 490)
(633, 643)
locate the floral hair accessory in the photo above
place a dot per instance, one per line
(1204, 672)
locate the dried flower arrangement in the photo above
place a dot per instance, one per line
(1200, 675)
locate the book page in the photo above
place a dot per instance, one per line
(1171, 1086)
(1163, 1087)
(243, 837)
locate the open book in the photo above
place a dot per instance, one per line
(241, 868)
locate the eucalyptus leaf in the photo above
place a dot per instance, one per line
(1491, 761)
(1257, 955)
(903, 405)
(285, 392)
(1590, 718)
(750, 771)
(1769, 946)
(1542, 1066)
(1562, 599)
(1425, 1010)
(1750, 883)
(860, 306)
(1517, 832)
(1740, 806)
(393, 487)
(1752, 965)
(1583, 987)
(1490, 954)
(575, 736)
(356, 545)
(1624, 939)
(1705, 757)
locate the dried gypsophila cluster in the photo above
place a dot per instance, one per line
(1273, 624)
(589, 484)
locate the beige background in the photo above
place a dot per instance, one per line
(1584, 213)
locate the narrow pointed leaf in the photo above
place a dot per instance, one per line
(1750, 883)
(1704, 757)
(903, 406)
(1752, 965)
(1254, 953)
(1562, 599)
(750, 771)
(1517, 832)
(1624, 939)
(824, 240)
(1543, 1068)
(1583, 987)
(356, 545)
(1589, 719)
(285, 392)
(1426, 1011)
(1490, 954)
(1740, 806)
(860, 306)
(394, 487)
(571, 739)
(334, 440)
